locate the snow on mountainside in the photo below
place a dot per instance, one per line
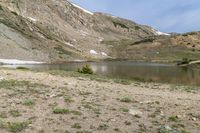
(156, 32)
(83, 9)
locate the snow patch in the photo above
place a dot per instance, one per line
(114, 16)
(93, 52)
(101, 39)
(79, 60)
(104, 54)
(32, 19)
(156, 32)
(109, 15)
(69, 44)
(18, 62)
(162, 33)
(135, 112)
(83, 9)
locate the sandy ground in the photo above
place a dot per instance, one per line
(54, 104)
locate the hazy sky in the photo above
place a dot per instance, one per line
(164, 15)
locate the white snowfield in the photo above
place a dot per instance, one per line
(160, 33)
(18, 62)
(96, 53)
(93, 52)
(83, 9)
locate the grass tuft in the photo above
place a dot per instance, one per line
(28, 102)
(22, 68)
(61, 111)
(126, 100)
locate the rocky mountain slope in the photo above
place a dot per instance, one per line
(53, 31)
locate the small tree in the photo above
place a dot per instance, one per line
(86, 70)
(185, 61)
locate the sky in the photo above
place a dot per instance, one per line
(164, 15)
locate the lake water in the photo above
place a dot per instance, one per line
(165, 73)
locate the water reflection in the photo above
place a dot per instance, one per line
(133, 70)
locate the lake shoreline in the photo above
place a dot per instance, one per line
(111, 60)
(140, 71)
(61, 101)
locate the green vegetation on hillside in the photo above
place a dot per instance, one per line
(120, 24)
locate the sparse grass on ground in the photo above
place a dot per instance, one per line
(77, 126)
(14, 126)
(28, 102)
(66, 111)
(15, 113)
(80, 103)
(8, 84)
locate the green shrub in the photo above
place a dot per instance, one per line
(120, 24)
(66, 111)
(184, 61)
(61, 111)
(126, 100)
(28, 102)
(86, 70)
(173, 118)
(22, 68)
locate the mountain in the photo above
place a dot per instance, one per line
(57, 31)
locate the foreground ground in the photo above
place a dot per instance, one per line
(59, 102)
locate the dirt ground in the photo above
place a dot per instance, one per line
(39, 102)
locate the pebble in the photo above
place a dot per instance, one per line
(52, 95)
(168, 128)
(179, 116)
(135, 112)
(162, 113)
(194, 119)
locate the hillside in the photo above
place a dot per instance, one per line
(57, 31)
(160, 48)
(48, 30)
